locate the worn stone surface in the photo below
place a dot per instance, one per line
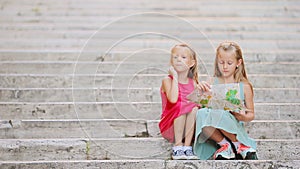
(263, 129)
(118, 128)
(141, 80)
(121, 148)
(42, 149)
(127, 94)
(127, 110)
(157, 164)
(132, 68)
(66, 60)
(73, 129)
(88, 164)
(259, 164)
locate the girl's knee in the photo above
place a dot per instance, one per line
(193, 112)
(208, 128)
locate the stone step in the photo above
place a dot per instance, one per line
(130, 94)
(257, 129)
(136, 80)
(114, 34)
(47, 13)
(109, 128)
(232, 23)
(150, 164)
(43, 90)
(139, 43)
(38, 15)
(73, 128)
(187, 9)
(206, 24)
(130, 67)
(125, 110)
(114, 149)
(54, 56)
(115, 4)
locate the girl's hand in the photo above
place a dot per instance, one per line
(240, 116)
(204, 86)
(173, 72)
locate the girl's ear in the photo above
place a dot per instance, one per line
(240, 61)
(192, 63)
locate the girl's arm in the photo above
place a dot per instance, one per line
(170, 86)
(249, 103)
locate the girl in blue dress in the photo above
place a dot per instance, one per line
(220, 133)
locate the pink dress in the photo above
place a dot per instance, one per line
(170, 111)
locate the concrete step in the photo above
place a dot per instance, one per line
(40, 56)
(114, 149)
(50, 35)
(271, 8)
(262, 164)
(32, 13)
(114, 4)
(206, 24)
(140, 43)
(73, 128)
(134, 80)
(114, 34)
(150, 164)
(130, 94)
(191, 8)
(257, 129)
(109, 128)
(129, 67)
(125, 110)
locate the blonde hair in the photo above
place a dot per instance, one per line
(193, 72)
(240, 74)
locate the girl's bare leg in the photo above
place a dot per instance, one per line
(190, 126)
(213, 133)
(230, 136)
(179, 124)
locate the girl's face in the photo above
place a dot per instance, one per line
(227, 63)
(181, 59)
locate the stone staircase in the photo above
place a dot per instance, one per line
(79, 80)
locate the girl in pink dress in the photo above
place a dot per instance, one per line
(177, 123)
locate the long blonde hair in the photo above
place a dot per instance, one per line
(240, 74)
(193, 72)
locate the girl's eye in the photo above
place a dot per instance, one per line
(221, 62)
(229, 63)
(175, 57)
(183, 57)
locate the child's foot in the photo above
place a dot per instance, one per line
(246, 152)
(190, 155)
(178, 155)
(224, 153)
